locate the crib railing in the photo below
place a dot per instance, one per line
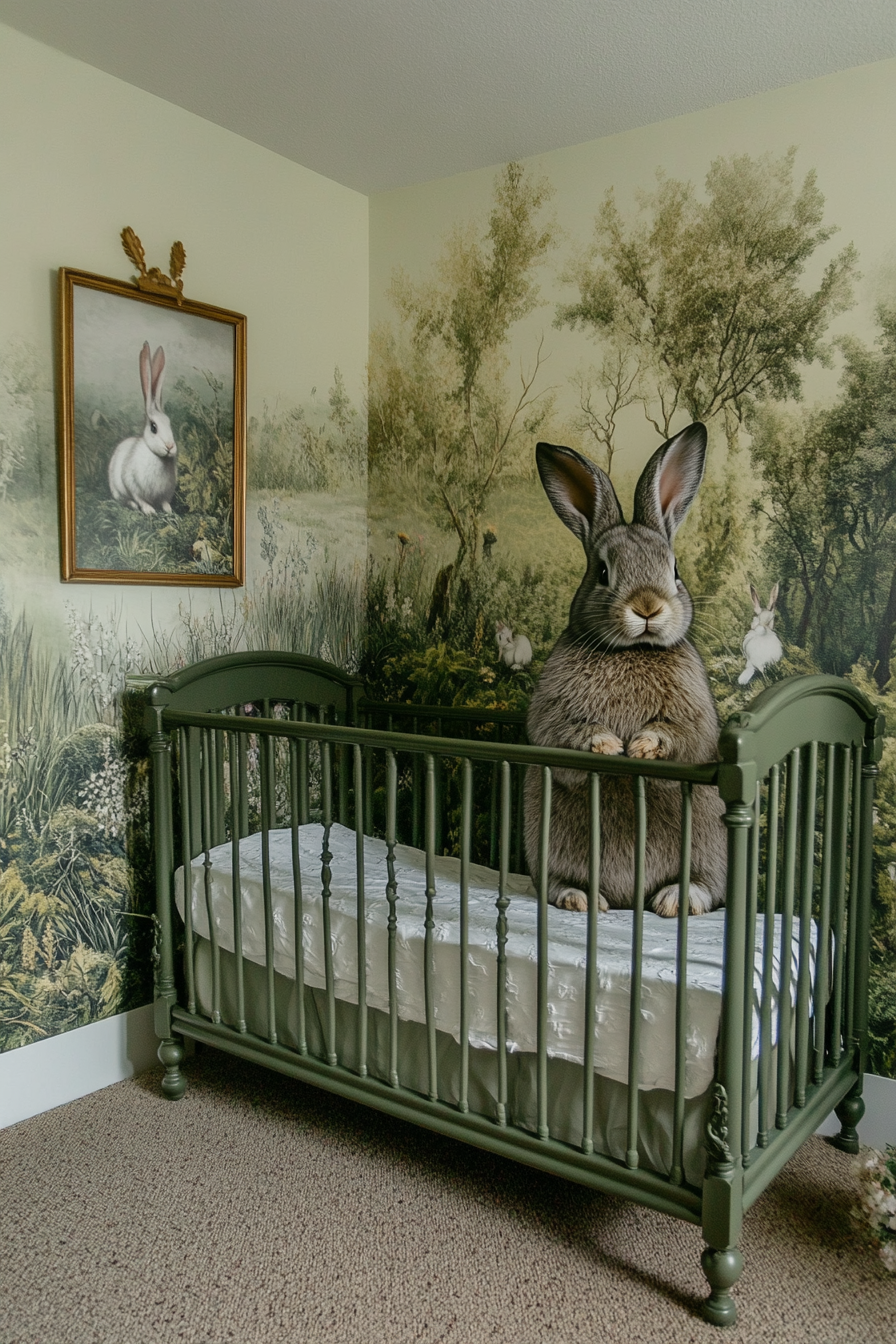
(796, 775)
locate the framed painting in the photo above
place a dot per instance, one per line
(152, 437)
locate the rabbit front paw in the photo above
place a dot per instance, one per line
(665, 902)
(606, 743)
(647, 746)
(573, 898)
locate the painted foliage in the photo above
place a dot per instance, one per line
(709, 303)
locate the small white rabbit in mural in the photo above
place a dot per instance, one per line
(143, 470)
(514, 650)
(761, 645)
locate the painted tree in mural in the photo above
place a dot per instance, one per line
(440, 412)
(829, 499)
(703, 298)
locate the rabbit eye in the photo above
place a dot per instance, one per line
(153, 426)
(603, 574)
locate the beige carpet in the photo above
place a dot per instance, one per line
(258, 1209)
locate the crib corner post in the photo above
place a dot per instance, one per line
(170, 1051)
(852, 1107)
(849, 1113)
(722, 1216)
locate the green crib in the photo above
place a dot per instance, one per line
(678, 1063)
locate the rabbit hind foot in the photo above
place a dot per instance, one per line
(665, 902)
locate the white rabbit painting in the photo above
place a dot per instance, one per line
(143, 468)
(761, 646)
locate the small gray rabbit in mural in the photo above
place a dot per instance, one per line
(761, 646)
(143, 470)
(514, 650)
(624, 680)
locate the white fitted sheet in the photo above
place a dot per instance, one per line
(566, 954)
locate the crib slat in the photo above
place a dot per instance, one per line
(749, 974)
(542, 955)
(634, 1015)
(392, 922)
(326, 877)
(822, 952)
(186, 807)
(429, 923)
(210, 796)
(304, 794)
(243, 770)
(466, 829)
(768, 953)
(785, 959)
(855, 869)
(839, 879)
(207, 803)
(264, 749)
(361, 910)
(676, 1171)
(591, 965)
(519, 828)
(502, 903)
(416, 794)
(236, 805)
(298, 907)
(368, 792)
(493, 843)
(804, 974)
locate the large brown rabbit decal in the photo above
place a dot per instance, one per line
(624, 679)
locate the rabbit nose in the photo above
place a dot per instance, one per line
(647, 608)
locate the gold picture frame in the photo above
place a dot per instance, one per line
(152, 436)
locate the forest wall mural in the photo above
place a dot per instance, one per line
(603, 298)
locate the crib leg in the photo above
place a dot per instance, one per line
(722, 1269)
(171, 1053)
(849, 1113)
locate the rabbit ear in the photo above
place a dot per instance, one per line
(146, 374)
(582, 495)
(757, 604)
(158, 376)
(670, 480)
(772, 598)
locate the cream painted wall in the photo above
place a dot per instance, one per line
(81, 155)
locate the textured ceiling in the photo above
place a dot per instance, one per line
(378, 94)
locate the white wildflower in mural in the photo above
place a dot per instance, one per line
(103, 793)
(100, 659)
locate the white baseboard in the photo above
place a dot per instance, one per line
(877, 1127)
(49, 1073)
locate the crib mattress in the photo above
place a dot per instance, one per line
(212, 901)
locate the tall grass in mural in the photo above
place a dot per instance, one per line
(67, 914)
